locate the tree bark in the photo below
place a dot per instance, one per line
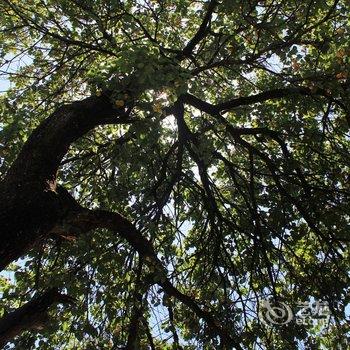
(30, 316)
(30, 204)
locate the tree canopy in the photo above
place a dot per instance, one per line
(167, 166)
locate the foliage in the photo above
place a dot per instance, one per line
(250, 202)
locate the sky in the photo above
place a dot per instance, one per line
(4, 85)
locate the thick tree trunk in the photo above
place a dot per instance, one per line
(30, 205)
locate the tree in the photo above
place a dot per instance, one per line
(169, 166)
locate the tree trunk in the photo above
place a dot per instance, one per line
(30, 204)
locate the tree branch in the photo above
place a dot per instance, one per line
(30, 316)
(86, 220)
(30, 204)
(248, 100)
(200, 34)
(41, 155)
